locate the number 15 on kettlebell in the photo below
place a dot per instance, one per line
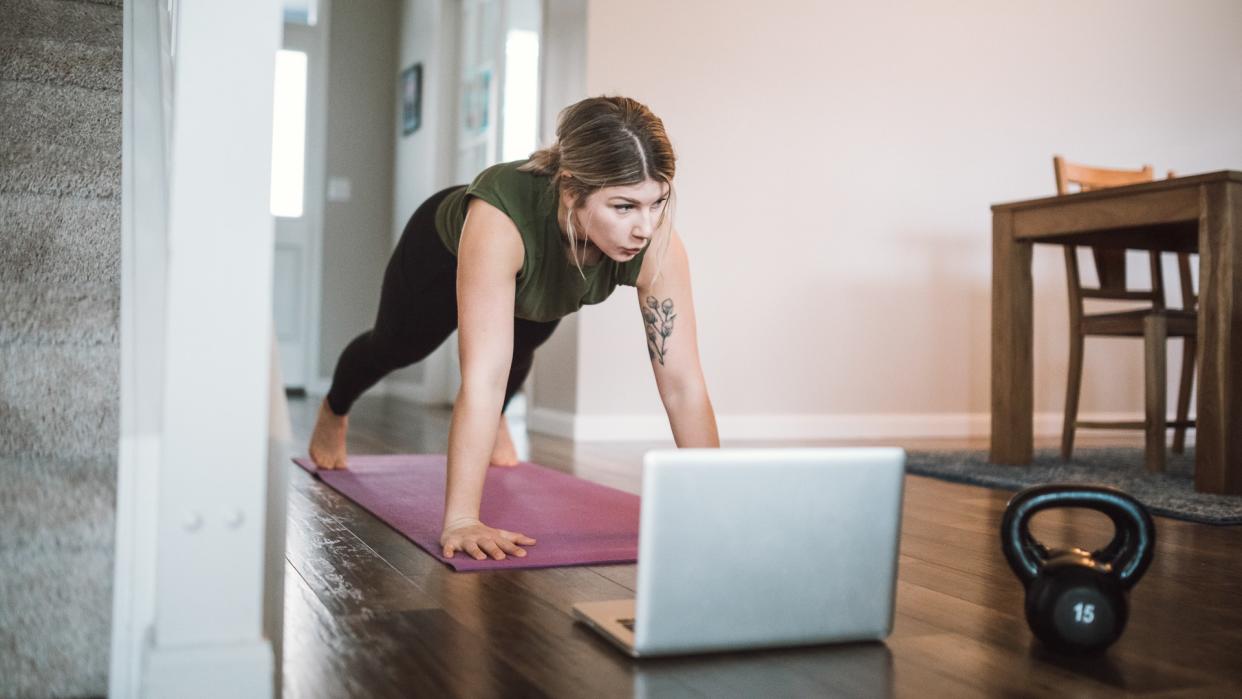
(1076, 601)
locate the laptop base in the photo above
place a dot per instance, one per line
(607, 618)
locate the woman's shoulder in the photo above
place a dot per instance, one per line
(508, 175)
(523, 196)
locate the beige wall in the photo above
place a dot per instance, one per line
(836, 164)
(362, 84)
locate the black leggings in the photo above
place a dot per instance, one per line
(417, 313)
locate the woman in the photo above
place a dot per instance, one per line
(502, 261)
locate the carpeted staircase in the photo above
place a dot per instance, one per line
(60, 244)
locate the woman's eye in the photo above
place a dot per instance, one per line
(623, 208)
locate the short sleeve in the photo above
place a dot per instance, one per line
(507, 189)
(488, 187)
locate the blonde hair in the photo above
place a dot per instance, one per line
(608, 142)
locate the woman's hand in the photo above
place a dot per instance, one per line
(480, 541)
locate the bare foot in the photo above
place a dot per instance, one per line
(504, 453)
(327, 445)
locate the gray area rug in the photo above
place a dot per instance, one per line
(1171, 494)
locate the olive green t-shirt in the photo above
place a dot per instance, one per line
(548, 285)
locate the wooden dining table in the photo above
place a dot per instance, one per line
(1198, 214)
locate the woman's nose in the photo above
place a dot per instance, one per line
(646, 228)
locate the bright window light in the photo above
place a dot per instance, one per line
(521, 94)
(289, 134)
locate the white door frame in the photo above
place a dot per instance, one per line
(313, 40)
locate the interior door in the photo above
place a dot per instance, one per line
(297, 213)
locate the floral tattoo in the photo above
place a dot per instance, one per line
(658, 316)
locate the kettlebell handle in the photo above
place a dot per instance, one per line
(1134, 534)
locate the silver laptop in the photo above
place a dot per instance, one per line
(754, 548)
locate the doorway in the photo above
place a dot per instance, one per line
(297, 168)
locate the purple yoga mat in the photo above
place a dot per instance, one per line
(574, 521)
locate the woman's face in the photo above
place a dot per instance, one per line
(620, 221)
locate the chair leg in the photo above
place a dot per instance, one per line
(1072, 389)
(1183, 393)
(1155, 334)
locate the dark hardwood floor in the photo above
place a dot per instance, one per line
(368, 614)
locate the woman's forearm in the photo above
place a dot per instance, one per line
(691, 416)
(471, 437)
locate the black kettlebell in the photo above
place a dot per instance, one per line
(1076, 602)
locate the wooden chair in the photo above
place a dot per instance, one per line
(1154, 323)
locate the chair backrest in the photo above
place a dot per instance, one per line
(1110, 264)
(1088, 178)
(1190, 297)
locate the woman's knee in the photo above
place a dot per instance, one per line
(398, 351)
(528, 334)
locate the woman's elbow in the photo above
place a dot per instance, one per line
(689, 390)
(481, 384)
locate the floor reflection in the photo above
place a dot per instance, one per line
(860, 669)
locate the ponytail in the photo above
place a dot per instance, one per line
(545, 161)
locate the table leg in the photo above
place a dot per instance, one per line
(1013, 364)
(1218, 427)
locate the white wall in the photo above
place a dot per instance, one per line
(836, 165)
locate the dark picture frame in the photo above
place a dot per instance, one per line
(411, 99)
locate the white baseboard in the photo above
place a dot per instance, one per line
(556, 423)
(236, 670)
(414, 392)
(626, 428)
(319, 387)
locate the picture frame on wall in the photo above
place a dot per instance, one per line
(411, 99)
(476, 102)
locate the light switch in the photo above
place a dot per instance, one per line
(339, 189)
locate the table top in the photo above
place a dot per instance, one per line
(1127, 190)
